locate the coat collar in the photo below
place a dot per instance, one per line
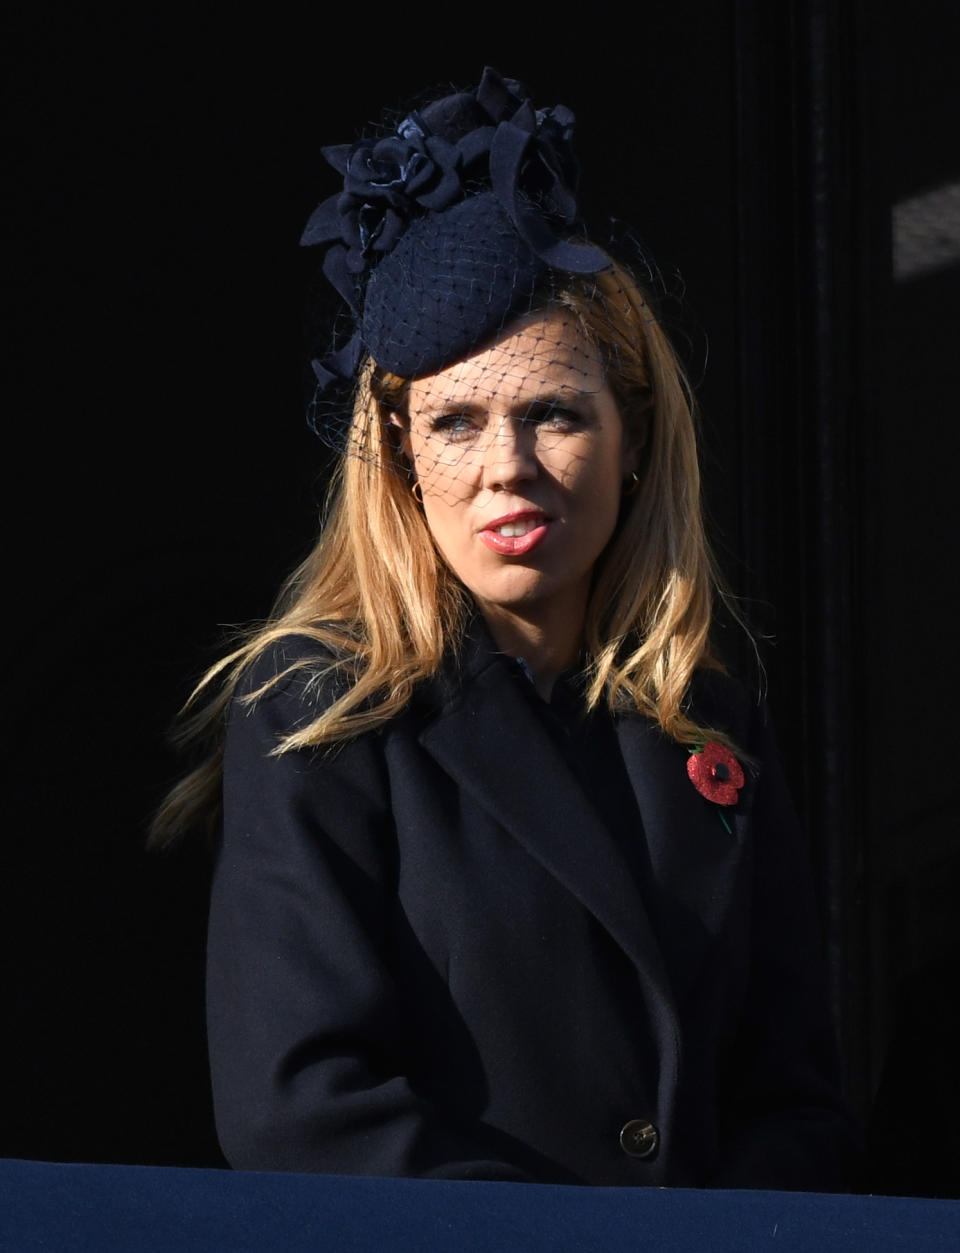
(485, 730)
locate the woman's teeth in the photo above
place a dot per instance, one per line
(512, 530)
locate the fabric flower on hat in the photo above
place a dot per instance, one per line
(400, 190)
(715, 773)
(387, 181)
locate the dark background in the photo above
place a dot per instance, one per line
(792, 166)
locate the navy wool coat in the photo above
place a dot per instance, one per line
(429, 956)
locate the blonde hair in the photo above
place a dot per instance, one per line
(375, 592)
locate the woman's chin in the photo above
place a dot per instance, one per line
(524, 591)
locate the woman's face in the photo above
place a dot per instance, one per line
(520, 454)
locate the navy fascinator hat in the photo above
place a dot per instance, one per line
(447, 228)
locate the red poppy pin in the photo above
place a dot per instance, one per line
(716, 774)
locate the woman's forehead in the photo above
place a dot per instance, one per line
(543, 353)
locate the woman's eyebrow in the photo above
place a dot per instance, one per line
(562, 397)
(478, 397)
(559, 396)
(518, 406)
(433, 406)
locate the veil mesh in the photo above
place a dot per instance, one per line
(564, 367)
(482, 327)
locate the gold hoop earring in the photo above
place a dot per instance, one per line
(417, 491)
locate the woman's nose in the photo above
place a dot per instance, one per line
(510, 455)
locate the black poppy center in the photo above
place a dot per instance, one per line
(721, 772)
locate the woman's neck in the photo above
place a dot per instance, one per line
(548, 637)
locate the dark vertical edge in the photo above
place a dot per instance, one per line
(797, 315)
(755, 209)
(835, 681)
(766, 335)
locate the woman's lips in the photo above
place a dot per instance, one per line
(515, 534)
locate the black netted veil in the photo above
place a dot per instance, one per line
(446, 235)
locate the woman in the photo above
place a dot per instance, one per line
(509, 885)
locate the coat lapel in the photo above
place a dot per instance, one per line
(693, 857)
(492, 744)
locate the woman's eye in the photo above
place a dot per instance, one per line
(554, 417)
(453, 426)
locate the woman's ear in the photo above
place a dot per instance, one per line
(399, 431)
(630, 458)
(636, 435)
(398, 421)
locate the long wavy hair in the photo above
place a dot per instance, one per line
(376, 594)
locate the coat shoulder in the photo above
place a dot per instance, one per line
(717, 699)
(296, 678)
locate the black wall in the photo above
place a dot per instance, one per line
(162, 168)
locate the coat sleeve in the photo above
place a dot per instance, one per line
(305, 1025)
(784, 1120)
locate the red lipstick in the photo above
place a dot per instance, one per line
(525, 529)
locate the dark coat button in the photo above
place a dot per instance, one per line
(639, 1138)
